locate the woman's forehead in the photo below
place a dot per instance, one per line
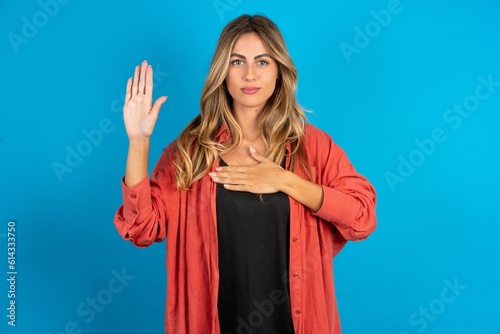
(249, 44)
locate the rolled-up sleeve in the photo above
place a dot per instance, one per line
(142, 217)
(348, 197)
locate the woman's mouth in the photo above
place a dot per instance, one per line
(250, 90)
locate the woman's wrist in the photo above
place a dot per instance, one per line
(306, 192)
(138, 141)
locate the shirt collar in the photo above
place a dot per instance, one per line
(223, 133)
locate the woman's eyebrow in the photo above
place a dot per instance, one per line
(256, 57)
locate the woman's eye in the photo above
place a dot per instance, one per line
(237, 62)
(263, 63)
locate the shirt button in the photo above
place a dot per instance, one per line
(295, 202)
(134, 212)
(133, 196)
(295, 239)
(298, 311)
(295, 275)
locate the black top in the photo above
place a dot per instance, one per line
(254, 248)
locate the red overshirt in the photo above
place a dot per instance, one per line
(155, 209)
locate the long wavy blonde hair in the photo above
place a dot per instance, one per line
(282, 120)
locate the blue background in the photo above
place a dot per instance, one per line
(438, 223)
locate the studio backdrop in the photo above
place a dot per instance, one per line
(410, 90)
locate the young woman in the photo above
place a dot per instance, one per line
(254, 201)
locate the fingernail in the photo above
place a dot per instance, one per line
(252, 149)
(212, 174)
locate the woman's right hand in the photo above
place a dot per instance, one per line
(139, 114)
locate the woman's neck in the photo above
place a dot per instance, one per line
(248, 120)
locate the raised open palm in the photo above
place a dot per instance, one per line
(139, 112)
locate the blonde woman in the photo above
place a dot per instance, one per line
(254, 202)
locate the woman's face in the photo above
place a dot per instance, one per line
(252, 73)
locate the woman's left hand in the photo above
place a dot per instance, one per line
(261, 178)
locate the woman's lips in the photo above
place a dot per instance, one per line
(250, 90)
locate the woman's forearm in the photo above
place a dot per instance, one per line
(307, 193)
(137, 161)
